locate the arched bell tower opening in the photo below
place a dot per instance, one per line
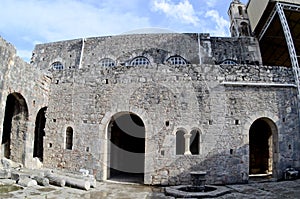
(14, 128)
(263, 141)
(126, 132)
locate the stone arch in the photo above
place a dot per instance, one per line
(107, 62)
(244, 28)
(39, 133)
(128, 57)
(180, 140)
(176, 60)
(140, 61)
(105, 136)
(195, 141)
(69, 138)
(126, 134)
(263, 127)
(15, 128)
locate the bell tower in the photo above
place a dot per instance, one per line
(239, 20)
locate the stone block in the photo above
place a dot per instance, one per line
(5, 173)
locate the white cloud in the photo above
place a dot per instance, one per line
(221, 25)
(211, 3)
(29, 22)
(26, 23)
(57, 20)
(183, 11)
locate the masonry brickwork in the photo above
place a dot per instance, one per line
(207, 95)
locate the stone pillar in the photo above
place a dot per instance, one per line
(28, 148)
(187, 144)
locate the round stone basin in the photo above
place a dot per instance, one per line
(197, 189)
(189, 191)
(9, 188)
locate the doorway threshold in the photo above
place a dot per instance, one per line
(125, 178)
(255, 178)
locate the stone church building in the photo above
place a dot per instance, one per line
(151, 107)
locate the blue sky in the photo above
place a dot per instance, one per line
(26, 23)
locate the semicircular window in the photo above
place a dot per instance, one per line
(107, 62)
(229, 62)
(176, 60)
(57, 66)
(140, 61)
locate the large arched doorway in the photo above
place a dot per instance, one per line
(15, 128)
(39, 133)
(263, 147)
(127, 148)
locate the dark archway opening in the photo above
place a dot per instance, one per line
(14, 128)
(195, 142)
(261, 148)
(69, 138)
(180, 141)
(39, 133)
(127, 148)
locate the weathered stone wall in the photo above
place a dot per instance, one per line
(188, 97)
(30, 88)
(219, 101)
(194, 48)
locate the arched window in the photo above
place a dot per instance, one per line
(240, 10)
(57, 66)
(245, 29)
(195, 142)
(176, 60)
(139, 61)
(228, 62)
(107, 62)
(180, 142)
(69, 138)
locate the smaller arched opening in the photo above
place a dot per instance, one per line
(240, 8)
(262, 147)
(39, 133)
(195, 142)
(180, 142)
(140, 61)
(176, 60)
(228, 62)
(107, 62)
(245, 29)
(57, 66)
(69, 138)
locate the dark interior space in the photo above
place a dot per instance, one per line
(273, 45)
(260, 148)
(127, 148)
(39, 134)
(10, 109)
(194, 146)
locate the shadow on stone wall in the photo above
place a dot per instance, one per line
(224, 167)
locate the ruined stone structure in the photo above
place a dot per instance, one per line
(154, 106)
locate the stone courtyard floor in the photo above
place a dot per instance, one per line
(272, 190)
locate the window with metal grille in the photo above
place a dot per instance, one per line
(176, 60)
(57, 66)
(140, 61)
(107, 62)
(228, 62)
